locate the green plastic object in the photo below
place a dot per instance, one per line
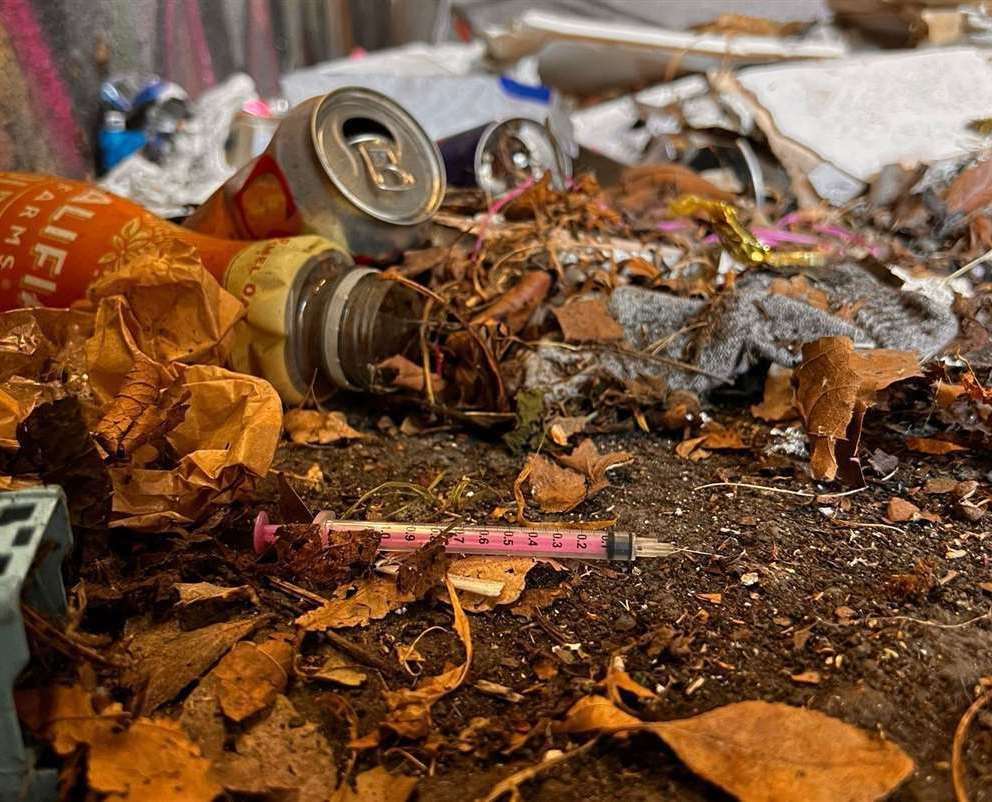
(34, 525)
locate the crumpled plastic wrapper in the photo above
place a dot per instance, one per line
(164, 307)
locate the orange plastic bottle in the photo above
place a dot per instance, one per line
(314, 321)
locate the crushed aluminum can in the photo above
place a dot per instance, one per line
(502, 155)
(351, 165)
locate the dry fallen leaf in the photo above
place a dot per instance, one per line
(617, 680)
(250, 677)
(373, 598)
(832, 379)
(807, 678)
(339, 669)
(929, 445)
(63, 715)
(516, 306)
(376, 785)
(597, 714)
(313, 426)
(409, 713)
(717, 437)
(585, 321)
(766, 752)
(971, 189)
(555, 489)
(587, 460)
(202, 603)
(778, 403)
(408, 375)
(534, 600)
(899, 510)
(150, 761)
(167, 659)
(281, 757)
(511, 571)
(691, 448)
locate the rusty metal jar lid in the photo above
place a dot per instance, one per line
(378, 156)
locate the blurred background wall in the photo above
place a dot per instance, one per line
(55, 53)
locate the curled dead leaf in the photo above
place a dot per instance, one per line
(831, 381)
(340, 670)
(376, 785)
(587, 460)
(510, 571)
(250, 677)
(899, 510)
(314, 426)
(516, 306)
(778, 403)
(555, 489)
(409, 713)
(409, 375)
(930, 445)
(364, 600)
(561, 429)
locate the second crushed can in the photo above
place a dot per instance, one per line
(351, 165)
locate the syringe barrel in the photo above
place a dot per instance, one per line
(551, 542)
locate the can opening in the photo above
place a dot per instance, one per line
(358, 128)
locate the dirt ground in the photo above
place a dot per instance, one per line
(804, 585)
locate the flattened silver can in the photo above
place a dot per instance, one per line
(352, 166)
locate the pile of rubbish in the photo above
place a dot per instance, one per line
(495, 237)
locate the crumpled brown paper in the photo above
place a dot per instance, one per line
(227, 439)
(163, 304)
(41, 359)
(160, 306)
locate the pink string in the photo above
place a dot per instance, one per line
(494, 208)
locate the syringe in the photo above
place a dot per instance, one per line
(557, 543)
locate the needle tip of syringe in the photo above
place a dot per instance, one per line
(653, 548)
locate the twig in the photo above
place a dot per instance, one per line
(747, 486)
(511, 785)
(303, 593)
(61, 641)
(802, 493)
(486, 350)
(966, 268)
(957, 747)
(935, 624)
(863, 525)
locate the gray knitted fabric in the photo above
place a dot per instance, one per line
(752, 324)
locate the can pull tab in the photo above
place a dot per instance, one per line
(379, 157)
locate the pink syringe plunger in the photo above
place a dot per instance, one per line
(559, 543)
